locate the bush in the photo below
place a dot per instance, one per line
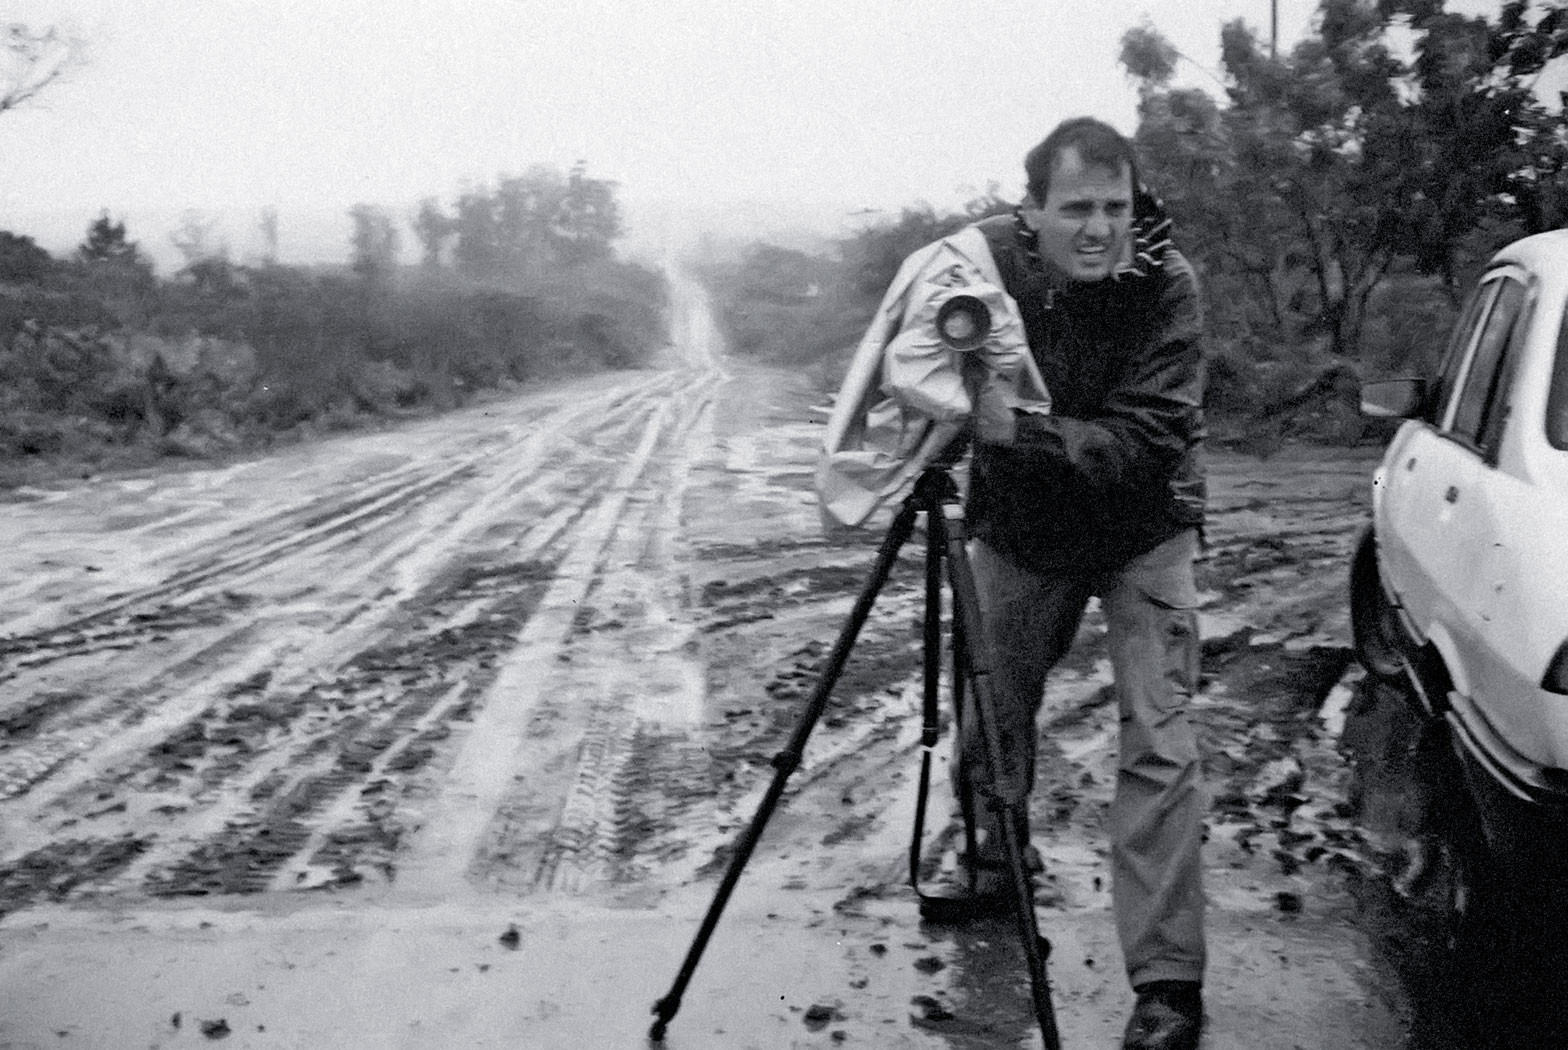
(807, 310)
(22, 261)
(25, 433)
(782, 319)
(380, 387)
(38, 307)
(1234, 378)
(1408, 327)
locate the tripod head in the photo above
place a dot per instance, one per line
(936, 484)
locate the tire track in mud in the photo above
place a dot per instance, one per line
(321, 524)
(623, 671)
(214, 610)
(496, 752)
(282, 784)
(209, 599)
(301, 805)
(651, 798)
(635, 609)
(303, 528)
(769, 606)
(259, 768)
(640, 778)
(101, 730)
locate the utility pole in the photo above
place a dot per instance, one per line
(1273, 29)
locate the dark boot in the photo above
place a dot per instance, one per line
(1168, 1016)
(970, 894)
(982, 886)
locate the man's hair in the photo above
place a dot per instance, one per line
(1098, 145)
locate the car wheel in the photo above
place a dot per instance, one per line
(1374, 625)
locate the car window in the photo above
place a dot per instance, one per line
(1478, 412)
(1557, 400)
(1454, 357)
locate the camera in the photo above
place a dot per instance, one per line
(963, 322)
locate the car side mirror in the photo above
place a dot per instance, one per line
(1402, 398)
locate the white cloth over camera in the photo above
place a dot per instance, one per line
(907, 395)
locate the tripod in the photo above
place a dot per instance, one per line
(936, 496)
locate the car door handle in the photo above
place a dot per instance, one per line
(1452, 495)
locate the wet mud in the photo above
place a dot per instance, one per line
(548, 652)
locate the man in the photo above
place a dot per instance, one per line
(1102, 497)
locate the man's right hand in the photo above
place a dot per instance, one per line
(995, 423)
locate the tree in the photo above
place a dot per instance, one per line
(587, 218)
(1490, 156)
(782, 274)
(873, 254)
(207, 264)
(22, 260)
(107, 242)
(433, 227)
(475, 252)
(194, 238)
(375, 246)
(1341, 157)
(32, 59)
(116, 271)
(1148, 57)
(531, 224)
(267, 226)
(522, 211)
(374, 241)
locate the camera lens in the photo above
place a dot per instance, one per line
(959, 327)
(963, 322)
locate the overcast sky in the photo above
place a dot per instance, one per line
(313, 105)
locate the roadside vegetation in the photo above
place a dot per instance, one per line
(105, 363)
(1336, 200)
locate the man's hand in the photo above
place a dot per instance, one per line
(995, 423)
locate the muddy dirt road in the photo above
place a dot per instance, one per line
(436, 738)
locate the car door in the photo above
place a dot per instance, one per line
(1405, 477)
(1433, 499)
(1498, 516)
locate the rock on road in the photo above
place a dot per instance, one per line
(435, 737)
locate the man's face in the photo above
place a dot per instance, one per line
(1085, 219)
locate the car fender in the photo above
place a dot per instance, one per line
(1398, 448)
(1415, 633)
(1442, 642)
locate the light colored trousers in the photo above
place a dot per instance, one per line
(1157, 814)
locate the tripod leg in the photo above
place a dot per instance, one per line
(976, 659)
(966, 792)
(931, 728)
(786, 761)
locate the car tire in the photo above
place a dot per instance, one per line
(1374, 624)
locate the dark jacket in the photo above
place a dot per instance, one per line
(1115, 469)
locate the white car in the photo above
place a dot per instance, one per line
(1460, 585)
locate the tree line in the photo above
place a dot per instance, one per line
(104, 360)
